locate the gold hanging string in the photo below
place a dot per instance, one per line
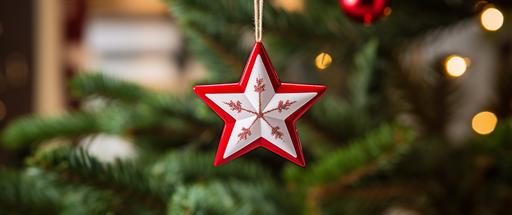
(258, 19)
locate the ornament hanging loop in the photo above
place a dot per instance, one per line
(258, 19)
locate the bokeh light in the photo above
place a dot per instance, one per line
(323, 61)
(387, 11)
(484, 122)
(455, 65)
(290, 6)
(491, 19)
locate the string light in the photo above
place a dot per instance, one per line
(290, 6)
(3, 110)
(455, 65)
(491, 19)
(484, 122)
(387, 11)
(323, 60)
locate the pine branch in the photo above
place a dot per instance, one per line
(190, 167)
(363, 70)
(97, 84)
(154, 113)
(359, 158)
(151, 187)
(35, 192)
(225, 198)
(23, 194)
(113, 120)
(330, 175)
(126, 179)
(31, 130)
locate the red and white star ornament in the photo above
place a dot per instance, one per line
(259, 111)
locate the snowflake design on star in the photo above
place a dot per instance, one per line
(260, 112)
(259, 88)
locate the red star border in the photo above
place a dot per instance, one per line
(259, 110)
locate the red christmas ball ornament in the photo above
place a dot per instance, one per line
(366, 11)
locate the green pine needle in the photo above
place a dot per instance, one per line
(378, 147)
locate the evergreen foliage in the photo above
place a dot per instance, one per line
(363, 157)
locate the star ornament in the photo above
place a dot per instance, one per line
(259, 111)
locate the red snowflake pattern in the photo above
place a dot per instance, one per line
(281, 105)
(277, 133)
(246, 132)
(259, 87)
(284, 105)
(235, 106)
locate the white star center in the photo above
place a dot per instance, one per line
(260, 112)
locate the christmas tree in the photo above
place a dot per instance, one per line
(416, 120)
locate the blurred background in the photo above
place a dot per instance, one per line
(440, 69)
(45, 43)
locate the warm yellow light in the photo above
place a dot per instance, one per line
(323, 60)
(484, 122)
(491, 19)
(455, 65)
(387, 11)
(290, 5)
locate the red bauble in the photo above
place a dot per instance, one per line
(366, 11)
